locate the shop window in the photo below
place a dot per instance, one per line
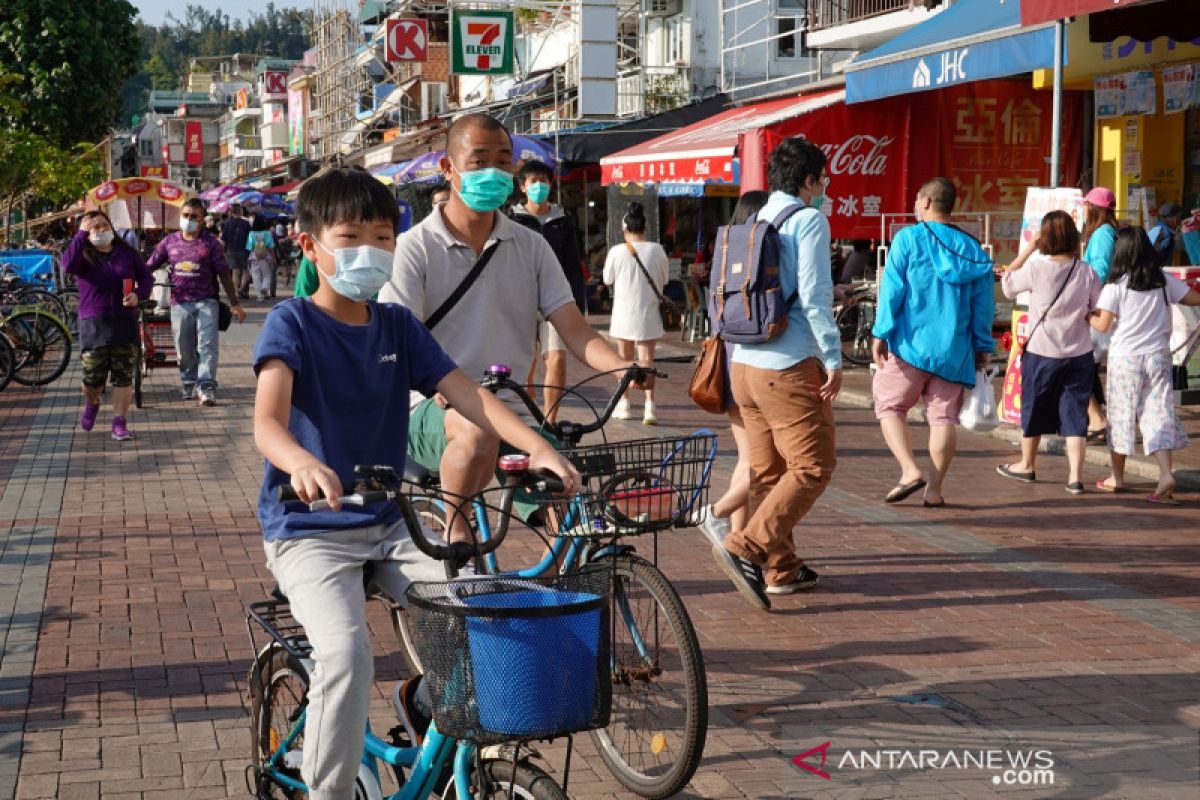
(790, 22)
(677, 44)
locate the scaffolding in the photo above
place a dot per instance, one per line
(762, 48)
(335, 77)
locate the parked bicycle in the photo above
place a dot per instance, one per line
(655, 740)
(479, 639)
(855, 317)
(40, 344)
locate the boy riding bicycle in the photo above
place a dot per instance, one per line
(334, 374)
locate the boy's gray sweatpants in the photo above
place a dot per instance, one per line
(322, 576)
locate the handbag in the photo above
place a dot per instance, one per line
(224, 315)
(708, 387)
(672, 319)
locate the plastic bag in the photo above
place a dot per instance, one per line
(979, 412)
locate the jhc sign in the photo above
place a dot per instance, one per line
(482, 42)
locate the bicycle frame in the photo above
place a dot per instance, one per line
(426, 761)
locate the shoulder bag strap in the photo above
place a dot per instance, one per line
(1046, 313)
(645, 273)
(461, 289)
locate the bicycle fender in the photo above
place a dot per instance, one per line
(612, 550)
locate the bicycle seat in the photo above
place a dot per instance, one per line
(415, 473)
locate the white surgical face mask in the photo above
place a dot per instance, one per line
(359, 272)
(101, 238)
(189, 225)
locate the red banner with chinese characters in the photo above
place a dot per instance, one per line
(193, 144)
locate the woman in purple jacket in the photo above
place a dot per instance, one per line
(106, 268)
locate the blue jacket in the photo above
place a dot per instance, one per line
(937, 301)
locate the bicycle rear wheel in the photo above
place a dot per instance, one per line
(43, 301)
(655, 738)
(501, 782)
(278, 693)
(8, 362)
(70, 300)
(432, 514)
(43, 346)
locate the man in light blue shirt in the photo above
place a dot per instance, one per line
(785, 389)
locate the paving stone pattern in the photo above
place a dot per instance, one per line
(1015, 620)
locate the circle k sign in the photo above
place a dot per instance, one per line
(407, 40)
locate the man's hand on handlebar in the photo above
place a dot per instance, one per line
(313, 480)
(550, 460)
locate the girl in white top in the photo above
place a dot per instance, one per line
(636, 321)
(1140, 294)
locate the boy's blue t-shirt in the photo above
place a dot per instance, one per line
(350, 398)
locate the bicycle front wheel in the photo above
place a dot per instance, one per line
(854, 324)
(8, 362)
(655, 738)
(43, 346)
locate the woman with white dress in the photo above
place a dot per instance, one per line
(636, 322)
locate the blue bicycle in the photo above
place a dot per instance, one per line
(655, 738)
(471, 632)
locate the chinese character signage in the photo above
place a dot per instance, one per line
(1040, 201)
(297, 116)
(149, 171)
(407, 40)
(193, 144)
(481, 42)
(1125, 94)
(1177, 88)
(1108, 96)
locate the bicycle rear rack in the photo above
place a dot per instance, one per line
(275, 618)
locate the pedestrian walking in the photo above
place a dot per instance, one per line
(113, 279)
(1099, 237)
(538, 214)
(1056, 363)
(234, 232)
(1165, 235)
(197, 264)
(732, 510)
(933, 329)
(785, 389)
(637, 271)
(320, 408)
(1138, 298)
(260, 245)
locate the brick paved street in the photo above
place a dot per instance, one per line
(1018, 619)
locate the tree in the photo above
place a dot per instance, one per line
(70, 65)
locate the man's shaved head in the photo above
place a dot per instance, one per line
(460, 126)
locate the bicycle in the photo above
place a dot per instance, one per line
(655, 740)
(40, 342)
(470, 691)
(156, 344)
(855, 318)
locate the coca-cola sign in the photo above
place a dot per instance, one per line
(859, 155)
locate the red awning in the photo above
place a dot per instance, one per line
(704, 151)
(1035, 12)
(282, 188)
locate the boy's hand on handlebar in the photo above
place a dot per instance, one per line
(551, 460)
(314, 480)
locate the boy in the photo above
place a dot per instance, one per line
(334, 374)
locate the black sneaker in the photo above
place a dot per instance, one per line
(807, 579)
(404, 704)
(747, 577)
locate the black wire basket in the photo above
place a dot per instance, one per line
(640, 486)
(515, 659)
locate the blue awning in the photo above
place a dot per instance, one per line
(973, 40)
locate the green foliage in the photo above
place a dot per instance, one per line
(65, 66)
(169, 48)
(43, 175)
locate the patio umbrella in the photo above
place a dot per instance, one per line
(255, 201)
(425, 169)
(139, 202)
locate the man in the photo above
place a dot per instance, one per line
(538, 214)
(785, 389)
(933, 329)
(1163, 235)
(196, 263)
(495, 320)
(234, 232)
(439, 195)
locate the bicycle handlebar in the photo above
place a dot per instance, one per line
(384, 484)
(499, 377)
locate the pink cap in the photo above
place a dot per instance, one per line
(1101, 197)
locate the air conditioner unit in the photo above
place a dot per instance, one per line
(664, 8)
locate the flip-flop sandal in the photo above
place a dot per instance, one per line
(1111, 488)
(1023, 477)
(939, 504)
(1096, 437)
(903, 490)
(1163, 499)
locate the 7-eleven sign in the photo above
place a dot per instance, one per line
(482, 42)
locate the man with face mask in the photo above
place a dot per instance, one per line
(197, 262)
(933, 329)
(495, 319)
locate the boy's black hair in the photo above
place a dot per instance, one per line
(792, 163)
(1133, 255)
(534, 168)
(343, 194)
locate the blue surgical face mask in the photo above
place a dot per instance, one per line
(359, 272)
(538, 193)
(485, 190)
(189, 225)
